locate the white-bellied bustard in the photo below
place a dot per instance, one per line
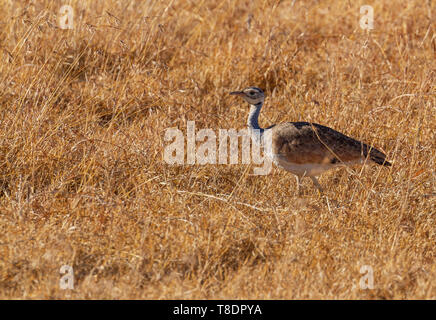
(307, 149)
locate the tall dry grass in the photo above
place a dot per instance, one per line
(83, 181)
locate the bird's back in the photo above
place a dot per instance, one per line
(311, 143)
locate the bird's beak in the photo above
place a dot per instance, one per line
(237, 93)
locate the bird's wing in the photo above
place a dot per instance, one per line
(304, 142)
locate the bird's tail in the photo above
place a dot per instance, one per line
(379, 157)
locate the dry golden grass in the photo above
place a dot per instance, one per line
(83, 181)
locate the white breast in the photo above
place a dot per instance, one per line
(306, 169)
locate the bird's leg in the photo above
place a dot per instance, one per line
(298, 185)
(316, 183)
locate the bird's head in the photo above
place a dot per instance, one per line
(252, 95)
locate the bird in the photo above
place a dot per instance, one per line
(307, 149)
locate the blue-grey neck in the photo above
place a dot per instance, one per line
(254, 115)
(252, 122)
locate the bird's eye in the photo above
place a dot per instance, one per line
(251, 93)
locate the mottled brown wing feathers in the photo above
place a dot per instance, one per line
(304, 142)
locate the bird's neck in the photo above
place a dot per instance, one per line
(253, 117)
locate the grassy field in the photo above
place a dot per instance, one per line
(83, 181)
